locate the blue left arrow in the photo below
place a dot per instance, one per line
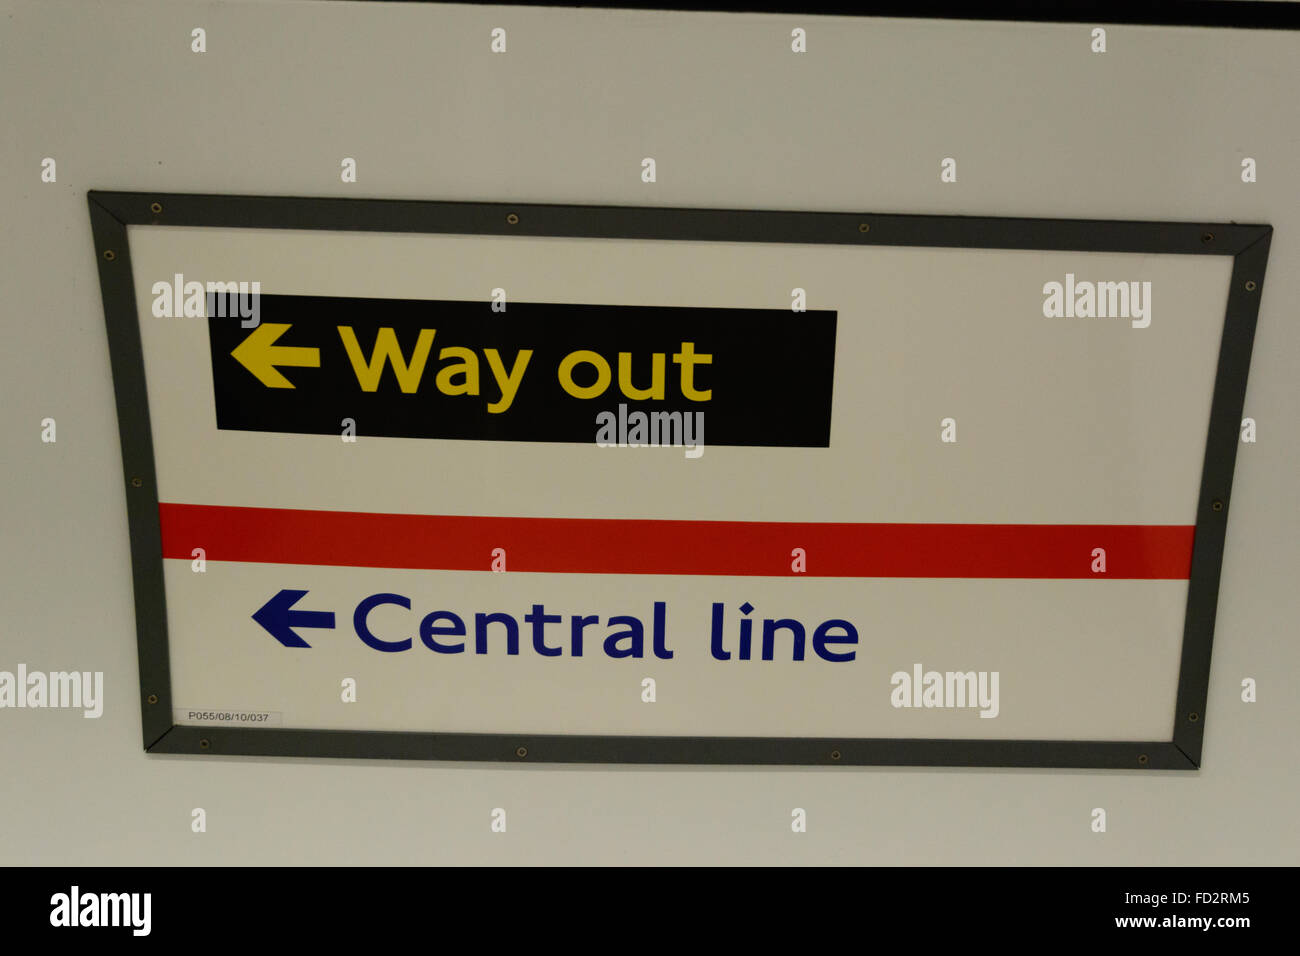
(279, 620)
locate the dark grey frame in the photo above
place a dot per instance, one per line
(112, 212)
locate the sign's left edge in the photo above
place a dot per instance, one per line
(126, 357)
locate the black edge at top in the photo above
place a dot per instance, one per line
(1240, 14)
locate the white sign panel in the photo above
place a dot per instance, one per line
(604, 491)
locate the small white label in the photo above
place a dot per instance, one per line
(234, 718)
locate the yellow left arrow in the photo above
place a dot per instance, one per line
(260, 355)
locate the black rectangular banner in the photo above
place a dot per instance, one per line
(408, 368)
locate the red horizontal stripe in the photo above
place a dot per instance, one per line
(630, 546)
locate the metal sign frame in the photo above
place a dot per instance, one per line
(112, 212)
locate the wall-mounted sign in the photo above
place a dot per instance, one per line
(520, 482)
